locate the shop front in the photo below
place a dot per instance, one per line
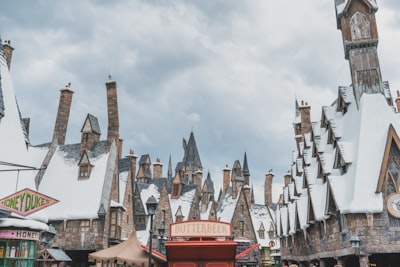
(201, 244)
(18, 240)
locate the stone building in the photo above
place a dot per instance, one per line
(102, 195)
(187, 196)
(340, 201)
(83, 176)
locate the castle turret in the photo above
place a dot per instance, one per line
(64, 107)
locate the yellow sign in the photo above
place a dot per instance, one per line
(201, 229)
(26, 202)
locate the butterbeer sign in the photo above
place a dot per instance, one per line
(201, 229)
(26, 202)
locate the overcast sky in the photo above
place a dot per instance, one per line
(230, 70)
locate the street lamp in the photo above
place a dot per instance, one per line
(151, 205)
(161, 240)
(355, 243)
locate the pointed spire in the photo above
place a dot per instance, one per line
(246, 172)
(192, 157)
(169, 173)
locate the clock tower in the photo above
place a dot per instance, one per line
(356, 20)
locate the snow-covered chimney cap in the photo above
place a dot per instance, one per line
(158, 162)
(131, 154)
(226, 168)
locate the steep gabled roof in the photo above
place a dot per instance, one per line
(192, 157)
(343, 5)
(93, 124)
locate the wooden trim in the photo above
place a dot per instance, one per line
(391, 137)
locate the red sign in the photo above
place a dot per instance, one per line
(201, 229)
(26, 202)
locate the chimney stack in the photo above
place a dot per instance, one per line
(305, 118)
(226, 179)
(268, 188)
(64, 107)
(287, 179)
(398, 101)
(112, 108)
(8, 51)
(157, 169)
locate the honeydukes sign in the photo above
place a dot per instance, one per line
(26, 202)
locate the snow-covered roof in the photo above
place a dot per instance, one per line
(226, 206)
(342, 4)
(184, 202)
(261, 215)
(347, 165)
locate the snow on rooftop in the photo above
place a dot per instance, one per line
(227, 207)
(185, 202)
(261, 215)
(62, 183)
(21, 223)
(146, 193)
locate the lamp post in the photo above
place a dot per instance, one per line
(355, 243)
(161, 232)
(151, 205)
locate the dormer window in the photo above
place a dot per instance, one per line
(85, 167)
(331, 136)
(84, 171)
(339, 162)
(261, 234)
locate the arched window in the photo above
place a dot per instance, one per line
(360, 27)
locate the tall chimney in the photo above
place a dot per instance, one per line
(157, 169)
(8, 51)
(305, 111)
(64, 107)
(268, 188)
(226, 179)
(287, 179)
(112, 108)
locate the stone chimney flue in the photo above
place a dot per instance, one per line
(64, 107)
(112, 109)
(8, 51)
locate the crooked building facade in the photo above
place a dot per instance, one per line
(340, 201)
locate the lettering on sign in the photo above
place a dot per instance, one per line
(201, 229)
(19, 234)
(26, 202)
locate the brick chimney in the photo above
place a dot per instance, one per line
(132, 168)
(287, 179)
(157, 169)
(398, 101)
(226, 179)
(199, 179)
(268, 188)
(112, 108)
(247, 194)
(8, 51)
(64, 107)
(305, 116)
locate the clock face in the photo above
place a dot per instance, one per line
(393, 205)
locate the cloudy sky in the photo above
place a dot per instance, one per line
(230, 70)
